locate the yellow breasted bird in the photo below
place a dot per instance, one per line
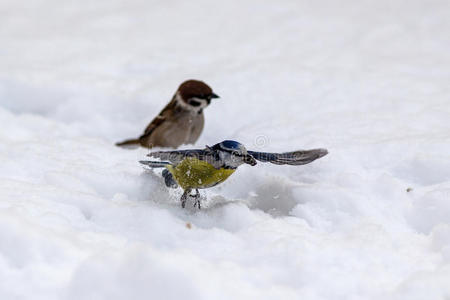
(204, 168)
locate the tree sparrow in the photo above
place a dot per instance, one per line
(181, 121)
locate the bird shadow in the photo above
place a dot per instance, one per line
(274, 197)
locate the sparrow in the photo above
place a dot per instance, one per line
(204, 168)
(180, 122)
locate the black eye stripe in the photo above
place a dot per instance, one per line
(234, 152)
(194, 103)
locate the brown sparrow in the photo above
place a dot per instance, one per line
(180, 122)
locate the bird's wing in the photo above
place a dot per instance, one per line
(159, 119)
(155, 164)
(175, 157)
(300, 157)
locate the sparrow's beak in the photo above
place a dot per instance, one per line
(248, 159)
(213, 96)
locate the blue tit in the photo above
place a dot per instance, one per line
(203, 168)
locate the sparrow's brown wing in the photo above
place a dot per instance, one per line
(155, 123)
(300, 157)
(159, 119)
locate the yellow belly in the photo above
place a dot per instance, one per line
(193, 173)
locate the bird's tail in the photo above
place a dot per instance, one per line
(131, 143)
(155, 164)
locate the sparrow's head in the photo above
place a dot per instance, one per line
(233, 154)
(195, 94)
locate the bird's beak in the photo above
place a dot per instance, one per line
(213, 96)
(248, 159)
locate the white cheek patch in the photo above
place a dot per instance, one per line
(230, 160)
(203, 103)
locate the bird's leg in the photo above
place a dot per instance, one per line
(184, 197)
(197, 199)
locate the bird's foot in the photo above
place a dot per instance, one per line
(184, 198)
(197, 199)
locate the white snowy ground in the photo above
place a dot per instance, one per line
(369, 80)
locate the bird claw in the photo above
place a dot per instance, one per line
(184, 198)
(196, 197)
(197, 203)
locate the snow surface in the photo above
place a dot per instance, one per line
(369, 80)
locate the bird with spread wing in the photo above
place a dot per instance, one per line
(203, 168)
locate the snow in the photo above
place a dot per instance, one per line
(368, 80)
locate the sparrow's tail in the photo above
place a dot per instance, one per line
(131, 143)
